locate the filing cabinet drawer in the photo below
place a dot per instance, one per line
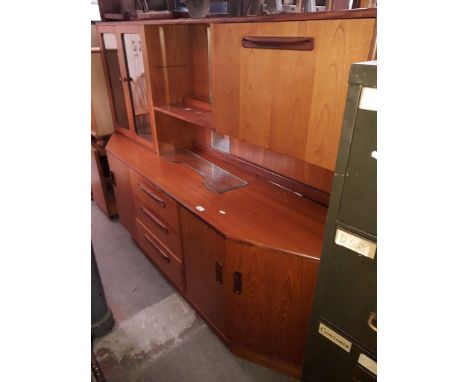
(338, 358)
(351, 293)
(358, 206)
(166, 233)
(157, 199)
(160, 255)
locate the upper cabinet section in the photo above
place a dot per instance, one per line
(179, 63)
(282, 85)
(124, 55)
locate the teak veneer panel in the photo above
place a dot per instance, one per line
(271, 314)
(203, 247)
(260, 213)
(189, 114)
(309, 174)
(123, 192)
(287, 101)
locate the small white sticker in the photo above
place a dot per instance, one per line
(355, 243)
(200, 208)
(368, 363)
(368, 100)
(335, 337)
(222, 212)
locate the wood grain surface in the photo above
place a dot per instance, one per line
(271, 314)
(187, 113)
(309, 174)
(123, 192)
(100, 105)
(287, 101)
(260, 213)
(159, 254)
(203, 247)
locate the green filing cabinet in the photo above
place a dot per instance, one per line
(342, 344)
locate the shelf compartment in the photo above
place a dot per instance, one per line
(193, 111)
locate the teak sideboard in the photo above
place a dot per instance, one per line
(227, 132)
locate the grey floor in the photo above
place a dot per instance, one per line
(158, 336)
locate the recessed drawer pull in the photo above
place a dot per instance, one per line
(219, 272)
(155, 220)
(237, 283)
(161, 202)
(372, 321)
(155, 246)
(279, 42)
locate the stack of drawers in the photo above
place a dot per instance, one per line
(157, 228)
(343, 331)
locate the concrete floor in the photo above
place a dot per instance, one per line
(158, 337)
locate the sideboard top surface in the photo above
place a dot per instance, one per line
(323, 15)
(260, 213)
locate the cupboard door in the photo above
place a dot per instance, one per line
(111, 55)
(204, 262)
(120, 174)
(137, 84)
(269, 300)
(286, 97)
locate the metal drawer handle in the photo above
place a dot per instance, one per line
(278, 42)
(161, 202)
(155, 220)
(372, 321)
(155, 246)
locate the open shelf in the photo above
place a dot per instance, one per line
(192, 111)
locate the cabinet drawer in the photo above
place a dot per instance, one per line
(330, 361)
(350, 292)
(285, 84)
(157, 199)
(166, 233)
(160, 255)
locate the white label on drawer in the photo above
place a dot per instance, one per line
(355, 243)
(335, 337)
(368, 100)
(368, 363)
(200, 208)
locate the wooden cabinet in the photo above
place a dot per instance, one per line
(204, 257)
(287, 100)
(256, 297)
(246, 259)
(269, 300)
(126, 69)
(120, 174)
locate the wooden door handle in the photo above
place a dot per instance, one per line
(155, 220)
(153, 196)
(237, 283)
(283, 43)
(219, 272)
(158, 249)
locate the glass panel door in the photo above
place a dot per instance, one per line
(115, 80)
(137, 84)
